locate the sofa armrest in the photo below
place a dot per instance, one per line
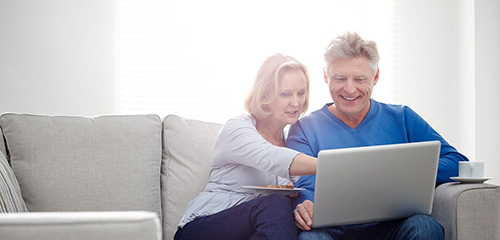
(80, 225)
(468, 211)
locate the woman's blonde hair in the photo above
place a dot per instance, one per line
(266, 86)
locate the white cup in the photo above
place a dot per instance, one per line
(471, 169)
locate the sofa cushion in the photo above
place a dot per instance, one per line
(10, 194)
(70, 163)
(187, 157)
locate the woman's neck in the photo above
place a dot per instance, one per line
(271, 132)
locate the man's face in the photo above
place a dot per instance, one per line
(351, 84)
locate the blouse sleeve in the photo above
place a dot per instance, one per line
(239, 142)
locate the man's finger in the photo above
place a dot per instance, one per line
(305, 212)
(299, 222)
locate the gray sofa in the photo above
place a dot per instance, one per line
(131, 177)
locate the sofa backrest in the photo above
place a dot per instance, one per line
(2, 143)
(188, 146)
(70, 163)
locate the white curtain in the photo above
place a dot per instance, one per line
(198, 58)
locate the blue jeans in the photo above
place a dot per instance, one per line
(267, 217)
(414, 227)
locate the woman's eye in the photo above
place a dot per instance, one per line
(301, 93)
(285, 94)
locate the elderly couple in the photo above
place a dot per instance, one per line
(254, 150)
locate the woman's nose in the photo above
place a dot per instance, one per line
(294, 101)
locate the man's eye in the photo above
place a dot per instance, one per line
(340, 79)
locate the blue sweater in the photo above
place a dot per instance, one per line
(384, 124)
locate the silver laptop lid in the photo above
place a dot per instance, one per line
(375, 183)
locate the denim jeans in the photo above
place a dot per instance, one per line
(267, 217)
(415, 227)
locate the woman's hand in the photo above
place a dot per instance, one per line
(303, 215)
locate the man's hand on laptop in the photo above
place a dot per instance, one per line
(303, 215)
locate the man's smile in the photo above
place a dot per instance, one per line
(349, 99)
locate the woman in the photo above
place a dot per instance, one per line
(250, 150)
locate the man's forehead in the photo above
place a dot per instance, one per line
(351, 72)
(348, 70)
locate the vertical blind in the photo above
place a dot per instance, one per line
(198, 58)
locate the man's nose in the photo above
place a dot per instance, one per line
(350, 87)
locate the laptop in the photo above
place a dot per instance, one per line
(375, 183)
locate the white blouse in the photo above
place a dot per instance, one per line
(242, 157)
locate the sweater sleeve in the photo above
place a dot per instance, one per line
(419, 130)
(297, 140)
(239, 142)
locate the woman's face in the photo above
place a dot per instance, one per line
(287, 106)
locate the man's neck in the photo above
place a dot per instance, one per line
(352, 121)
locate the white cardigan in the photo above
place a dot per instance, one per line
(242, 157)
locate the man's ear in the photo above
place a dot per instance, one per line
(375, 79)
(325, 76)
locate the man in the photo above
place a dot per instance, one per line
(355, 120)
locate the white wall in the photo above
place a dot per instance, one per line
(487, 56)
(448, 55)
(58, 57)
(429, 80)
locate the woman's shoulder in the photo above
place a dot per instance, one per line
(240, 121)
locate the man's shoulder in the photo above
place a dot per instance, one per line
(390, 107)
(317, 115)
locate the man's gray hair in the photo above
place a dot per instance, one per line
(351, 45)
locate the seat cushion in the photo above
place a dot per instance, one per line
(129, 225)
(10, 194)
(71, 163)
(187, 158)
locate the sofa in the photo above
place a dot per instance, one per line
(132, 176)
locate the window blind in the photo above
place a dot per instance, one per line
(198, 59)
